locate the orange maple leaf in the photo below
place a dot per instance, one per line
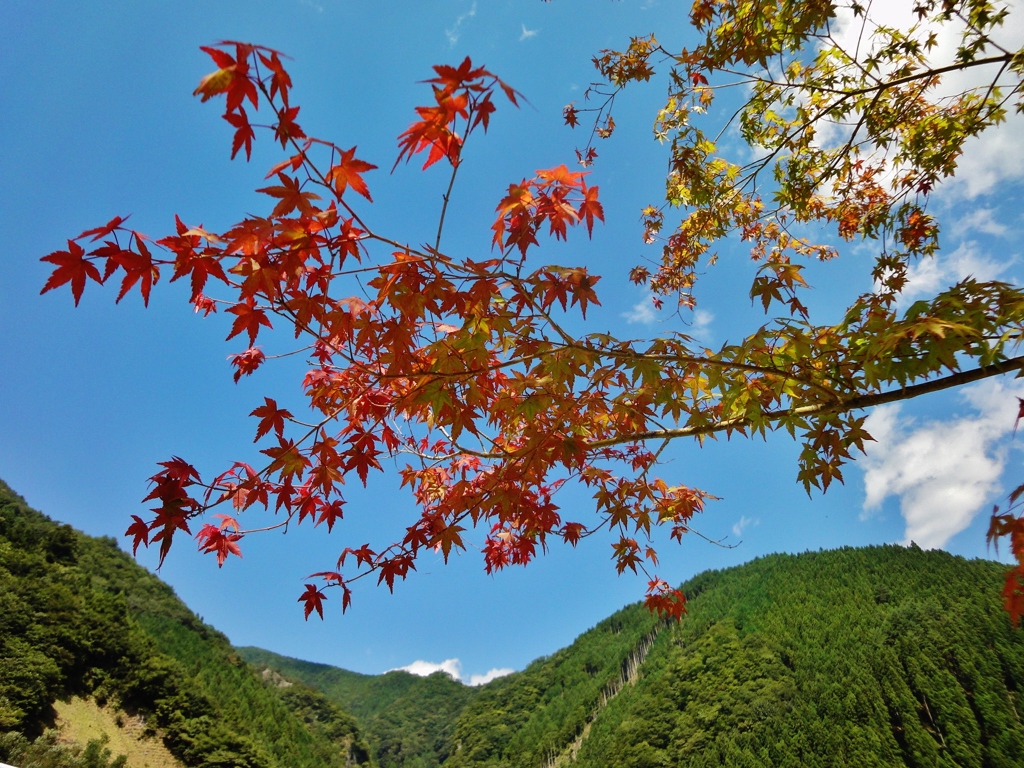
(348, 173)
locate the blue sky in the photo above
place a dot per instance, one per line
(97, 119)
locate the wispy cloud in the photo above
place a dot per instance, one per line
(990, 160)
(645, 312)
(493, 674)
(452, 668)
(528, 33)
(935, 273)
(943, 473)
(456, 29)
(979, 220)
(642, 312)
(700, 328)
(743, 523)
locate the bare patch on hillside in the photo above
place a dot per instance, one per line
(82, 720)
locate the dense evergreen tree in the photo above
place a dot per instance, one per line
(869, 657)
(79, 617)
(408, 720)
(883, 656)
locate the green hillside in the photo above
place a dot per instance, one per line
(422, 722)
(864, 657)
(79, 618)
(408, 720)
(882, 656)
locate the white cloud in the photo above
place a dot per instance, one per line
(979, 220)
(452, 668)
(453, 33)
(493, 674)
(742, 524)
(932, 274)
(989, 160)
(994, 157)
(642, 312)
(528, 33)
(942, 472)
(701, 326)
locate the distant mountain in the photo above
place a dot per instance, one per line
(416, 722)
(882, 656)
(408, 720)
(81, 622)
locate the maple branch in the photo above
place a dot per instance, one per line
(881, 84)
(717, 542)
(444, 206)
(282, 524)
(822, 409)
(710, 361)
(878, 88)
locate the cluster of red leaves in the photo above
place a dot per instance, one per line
(1010, 525)
(75, 266)
(461, 93)
(443, 352)
(558, 197)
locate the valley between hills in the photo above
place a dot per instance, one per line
(881, 656)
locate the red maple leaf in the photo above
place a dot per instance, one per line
(100, 232)
(287, 129)
(333, 578)
(271, 417)
(348, 173)
(590, 208)
(364, 555)
(247, 362)
(213, 538)
(664, 600)
(281, 81)
(391, 568)
(330, 513)
(137, 266)
(573, 532)
(313, 600)
(362, 455)
(140, 531)
(249, 318)
(72, 267)
(171, 517)
(232, 78)
(288, 459)
(453, 78)
(291, 195)
(244, 133)
(1013, 594)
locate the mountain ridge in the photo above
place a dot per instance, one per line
(79, 618)
(876, 656)
(890, 656)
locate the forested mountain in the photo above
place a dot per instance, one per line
(79, 618)
(884, 656)
(870, 657)
(425, 722)
(407, 719)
